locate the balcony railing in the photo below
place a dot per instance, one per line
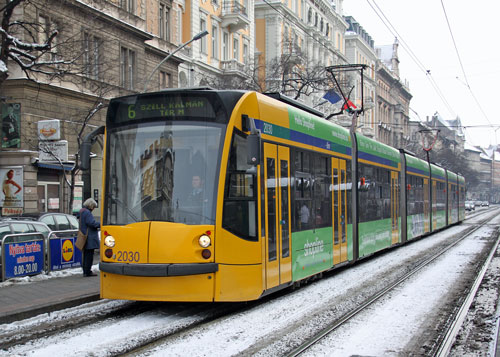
(233, 8)
(234, 16)
(232, 65)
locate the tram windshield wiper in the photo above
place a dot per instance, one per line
(123, 205)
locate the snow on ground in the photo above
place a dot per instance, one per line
(394, 322)
(49, 275)
(392, 319)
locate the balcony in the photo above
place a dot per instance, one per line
(233, 67)
(234, 16)
(368, 103)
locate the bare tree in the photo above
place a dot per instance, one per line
(292, 73)
(50, 51)
(32, 45)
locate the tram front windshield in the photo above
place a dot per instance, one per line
(163, 171)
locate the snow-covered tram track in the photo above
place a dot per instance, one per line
(439, 340)
(273, 326)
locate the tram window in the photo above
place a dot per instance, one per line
(375, 194)
(240, 202)
(349, 191)
(321, 191)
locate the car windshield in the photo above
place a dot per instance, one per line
(163, 172)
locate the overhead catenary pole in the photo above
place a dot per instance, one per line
(195, 38)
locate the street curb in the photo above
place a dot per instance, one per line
(31, 312)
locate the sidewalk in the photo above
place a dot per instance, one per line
(21, 301)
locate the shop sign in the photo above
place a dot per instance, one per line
(49, 129)
(53, 151)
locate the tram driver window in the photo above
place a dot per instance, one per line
(240, 201)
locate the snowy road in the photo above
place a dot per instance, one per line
(399, 324)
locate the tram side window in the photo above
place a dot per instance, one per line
(349, 191)
(240, 201)
(415, 195)
(321, 191)
(311, 205)
(302, 192)
(374, 193)
(370, 209)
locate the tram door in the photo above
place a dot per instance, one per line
(395, 206)
(434, 205)
(339, 203)
(427, 215)
(277, 218)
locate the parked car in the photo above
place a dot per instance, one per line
(54, 220)
(11, 226)
(470, 206)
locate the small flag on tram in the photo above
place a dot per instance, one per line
(349, 105)
(332, 96)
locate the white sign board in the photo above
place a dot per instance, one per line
(49, 129)
(53, 150)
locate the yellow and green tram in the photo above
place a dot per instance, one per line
(214, 195)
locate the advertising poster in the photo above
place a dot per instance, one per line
(12, 187)
(11, 125)
(64, 254)
(21, 259)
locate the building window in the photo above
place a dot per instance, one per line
(203, 40)
(225, 47)
(236, 49)
(48, 27)
(245, 53)
(165, 80)
(92, 55)
(127, 68)
(164, 22)
(128, 5)
(215, 42)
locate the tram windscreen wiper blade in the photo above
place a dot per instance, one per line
(123, 205)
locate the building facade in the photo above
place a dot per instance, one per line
(360, 49)
(109, 48)
(393, 99)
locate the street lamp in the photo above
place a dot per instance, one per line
(196, 37)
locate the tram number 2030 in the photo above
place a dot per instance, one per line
(127, 256)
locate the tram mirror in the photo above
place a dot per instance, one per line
(253, 149)
(86, 145)
(85, 155)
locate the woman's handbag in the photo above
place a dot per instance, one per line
(81, 238)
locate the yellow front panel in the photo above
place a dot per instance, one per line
(177, 243)
(173, 288)
(231, 249)
(238, 282)
(130, 238)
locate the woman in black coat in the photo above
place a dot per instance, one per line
(90, 225)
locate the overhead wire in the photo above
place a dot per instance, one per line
(387, 23)
(467, 84)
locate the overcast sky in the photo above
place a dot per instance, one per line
(423, 33)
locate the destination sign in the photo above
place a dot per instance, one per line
(160, 106)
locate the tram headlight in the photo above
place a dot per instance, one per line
(109, 241)
(204, 241)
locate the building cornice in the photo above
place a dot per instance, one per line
(131, 29)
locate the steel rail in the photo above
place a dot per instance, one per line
(452, 332)
(339, 322)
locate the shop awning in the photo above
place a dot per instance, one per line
(66, 166)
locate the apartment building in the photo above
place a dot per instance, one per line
(302, 34)
(393, 99)
(110, 48)
(360, 49)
